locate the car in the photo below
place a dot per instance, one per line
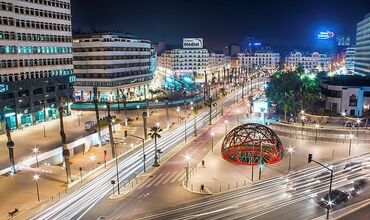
(336, 197)
(348, 167)
(360, 184)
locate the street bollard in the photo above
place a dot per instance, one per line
(245, 182)
(220, 188)
(237, 184)
(191, 187)
(203, 163)
(201, 187)
(228, 186)
(52, 199)
(59, 194)
(132, 184)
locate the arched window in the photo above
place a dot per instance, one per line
(353, 100)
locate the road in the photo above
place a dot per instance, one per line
(78, 203)
(295, 196)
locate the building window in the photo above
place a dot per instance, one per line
(353, 100)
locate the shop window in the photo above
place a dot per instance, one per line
(353, 100)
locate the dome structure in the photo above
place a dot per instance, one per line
(252, 144)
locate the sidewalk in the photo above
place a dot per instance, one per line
(219, 175)
(19, 191)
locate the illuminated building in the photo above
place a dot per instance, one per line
(268, 61)
(36, 72)
(117, 64)
(315, 61)
(362, 56)
(350, 59)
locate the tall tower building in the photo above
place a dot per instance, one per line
(36, 73)
(362, 56)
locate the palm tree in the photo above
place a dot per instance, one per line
(154, 134)
(367, 116)
(250, 100)
(211, 102)
(222, 94)
(195, 111)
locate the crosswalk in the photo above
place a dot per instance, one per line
(164, 178)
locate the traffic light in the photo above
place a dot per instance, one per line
(125, 134)
(309, 158)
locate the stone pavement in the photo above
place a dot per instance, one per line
(219, 175)
(19, 191)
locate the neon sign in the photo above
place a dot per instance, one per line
(324, 35)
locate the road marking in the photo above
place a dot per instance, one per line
(163, 178)
(154, 180)
(170, 177)
(177, 176)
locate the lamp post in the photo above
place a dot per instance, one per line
(92, 159)
(290, 150)
(36, 179)
(137, 109)
(343, 117)
(302, 119)
(156, 105)
(43, 126)
(330, 184)
(178, 114)
(79, 118)
(143, 142)
(212, 136)
(358, 121)
(237, 116)
(226, 122)
(187, 159)
(35, 150)
(316, 127)
(350, 144)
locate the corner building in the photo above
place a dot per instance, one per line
(116, 64)
(36, 73)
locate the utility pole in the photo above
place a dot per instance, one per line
(110, 131)
(145, 116)
(97, 113)
(10, 145)
(167, 114)
(66, 153)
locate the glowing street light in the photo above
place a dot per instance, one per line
(187, 159)
(137, 109)
(290, 150)
(316, 126)
(35, 150)
(358, 122)
(226, 122)
(343, 116)
(92, 159)
(351, 136)
(212, 136)
(36, 178)
(302, 119)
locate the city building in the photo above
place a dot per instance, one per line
(116, 64)
(268, 61)
(350, 59)
(36, 72)
(159, 47)
(314, 61)
(362, 57)
(234, 50)
(347, 94)
(216, 62)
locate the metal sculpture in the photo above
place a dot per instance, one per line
(252, 144)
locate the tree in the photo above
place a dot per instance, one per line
(211, 102)
(154, 134)
(223, 93)
(293, 90)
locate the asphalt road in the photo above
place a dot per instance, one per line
(295, 196)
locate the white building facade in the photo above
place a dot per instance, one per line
(315, 61)
(268, 61)
(117, 65)
(350, 59)
(362, 57)
(36, 73)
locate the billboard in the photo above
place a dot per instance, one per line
(324, 35)
(192, 43)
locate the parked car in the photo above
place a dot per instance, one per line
(358, 186)
(336, 197)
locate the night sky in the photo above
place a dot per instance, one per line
(220, 22)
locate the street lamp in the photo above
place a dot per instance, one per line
(302, 119)
(330, 184)
(212, 135)
(79, 118)
(35, 150)
(92, 159)
(237, 116)
(343, 116)
(358, 121)
(43, 126)
(156, 104)
(226, 122)
(178, 114)
(351, 136)
(137, 109)
(290, 150)
(187, 159)
(316, 126)
(36, 178)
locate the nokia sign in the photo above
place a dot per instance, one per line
(325, 35)
(192, 43)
